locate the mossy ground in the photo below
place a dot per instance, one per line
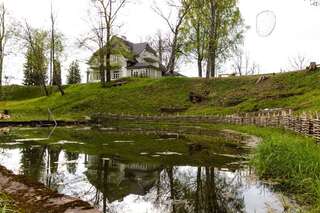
(297, 90)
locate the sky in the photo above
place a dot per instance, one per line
(297, 31)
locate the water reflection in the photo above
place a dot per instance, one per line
(116, 186)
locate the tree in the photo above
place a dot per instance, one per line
(36, 65)
(57, 73)
(7, 32)
(195, 33)
(242, 64)
(175, 27)
(161, 43)
(74, 76)
(30, 77)
(55, 47)
(299, 62)
(226, 32)
(3, 37)
(102, 27)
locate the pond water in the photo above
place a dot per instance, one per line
(139, 170)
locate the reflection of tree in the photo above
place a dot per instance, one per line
(72, 167)
(101, 182)
(52, 159)
(32, 160)
(114, 180)
(208, 192)
(52, 167)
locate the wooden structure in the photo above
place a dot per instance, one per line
(313, 66)
(306, 124)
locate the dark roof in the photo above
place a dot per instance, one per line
(141, 66)
(137, 48)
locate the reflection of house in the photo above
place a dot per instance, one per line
(117, 180)
(127, 60)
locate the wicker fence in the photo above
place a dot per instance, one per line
(307, 124)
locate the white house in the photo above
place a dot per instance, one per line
(139, 60)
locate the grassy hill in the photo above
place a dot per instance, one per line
(297, 90)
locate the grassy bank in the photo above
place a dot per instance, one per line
(298, 90)
(291, 160)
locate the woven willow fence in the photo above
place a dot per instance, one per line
(307, 124)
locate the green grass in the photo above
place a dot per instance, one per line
(298, 90)
(291, 160)
(6, 204)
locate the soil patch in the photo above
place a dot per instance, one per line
(34, 197)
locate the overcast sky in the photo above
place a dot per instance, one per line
(297, 30)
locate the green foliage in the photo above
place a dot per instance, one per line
(229, 30)
(74, 76)
(35, 68)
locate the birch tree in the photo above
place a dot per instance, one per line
(3, 38)
(7, 32)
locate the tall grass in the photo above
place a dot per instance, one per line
(6, 204)
(291, 160)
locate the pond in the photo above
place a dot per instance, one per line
(141, 169)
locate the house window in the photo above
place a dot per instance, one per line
(135, 74)
(115, 59)
(116, 74)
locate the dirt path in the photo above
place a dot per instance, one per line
(33, 197)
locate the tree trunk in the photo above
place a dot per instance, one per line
(172, 60)
(108, 53)
(199, 51)
(198, 192)
(200, 67)
(160, 50)
(45, 88)
(172, 189)
(212, 46)
(101, 68)
(208, 68)
(1, 66)
(53, 72)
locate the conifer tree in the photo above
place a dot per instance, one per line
(74, 76)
